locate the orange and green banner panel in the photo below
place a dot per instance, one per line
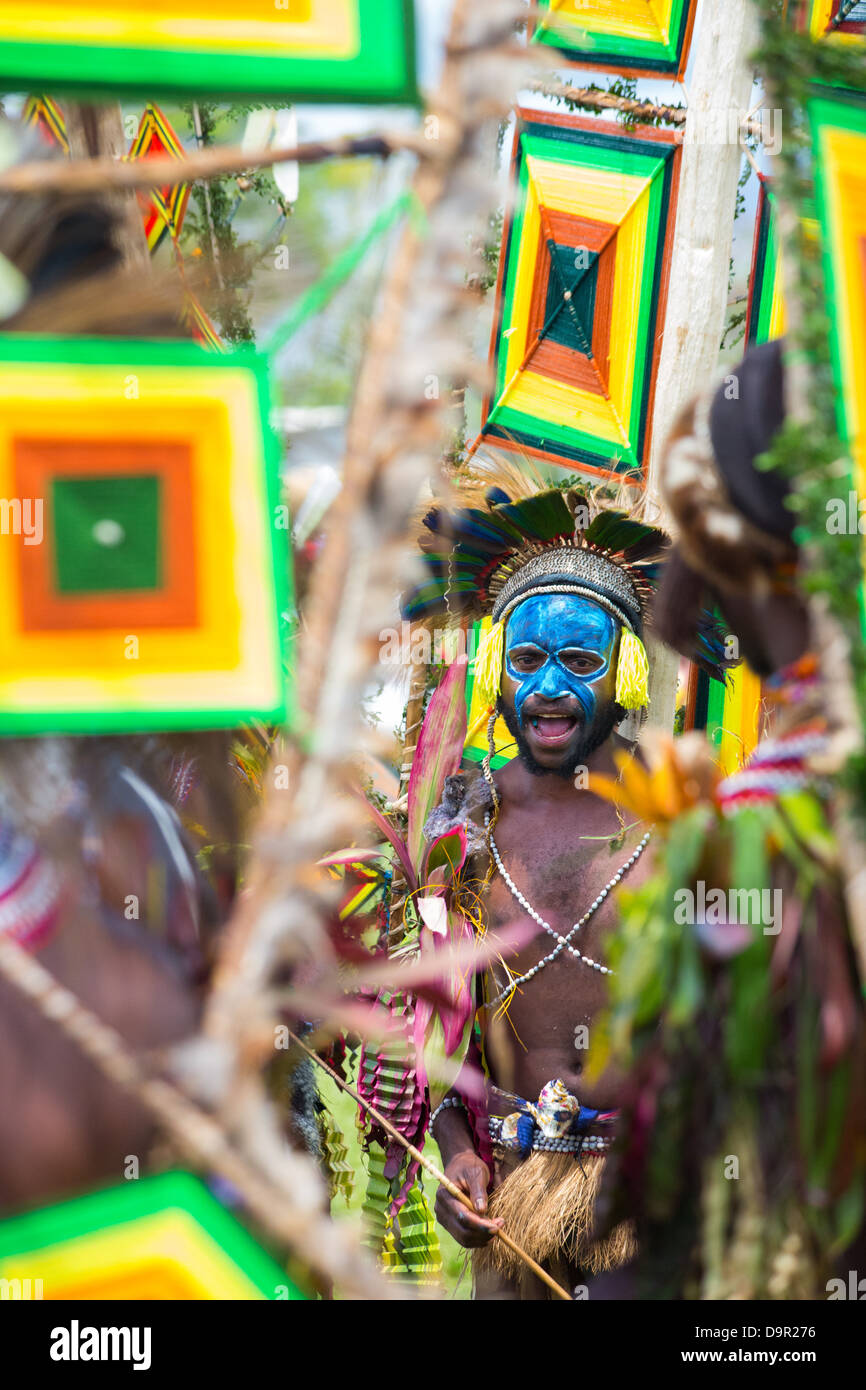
(305, 50)
(581, 295)
(143, 552)
(164, 1237)
(477, 715)
(637, 37)
(733, 716)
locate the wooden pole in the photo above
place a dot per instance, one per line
(96, 132)
(718, 99)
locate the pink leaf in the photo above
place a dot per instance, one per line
(349, 856)
(438, 754)
(444, 1031)
(424, 1012)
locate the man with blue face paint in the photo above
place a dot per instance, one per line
(564, 585)
(559, 681)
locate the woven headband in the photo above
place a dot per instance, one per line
(565, 570)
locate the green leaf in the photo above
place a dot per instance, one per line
(805, 814)
(448, 852)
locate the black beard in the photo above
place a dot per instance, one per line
(597, 734)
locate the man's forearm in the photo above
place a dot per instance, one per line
(453, 1133)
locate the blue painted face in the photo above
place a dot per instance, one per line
(560, 647)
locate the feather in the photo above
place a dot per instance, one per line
(496, 495)
(544, 517)
(618, 533)
(517, 512)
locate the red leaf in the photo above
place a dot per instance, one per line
(394, 840)
(438, 754)
(448, 852)
(349, 857)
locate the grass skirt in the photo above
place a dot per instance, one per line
(547, 1205)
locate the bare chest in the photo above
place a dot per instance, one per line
(566, 871)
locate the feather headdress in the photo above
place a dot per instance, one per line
(518, 538)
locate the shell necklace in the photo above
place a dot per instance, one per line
(563, 942)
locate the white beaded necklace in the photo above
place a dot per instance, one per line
(564, 942)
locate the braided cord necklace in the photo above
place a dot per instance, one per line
(563, 942)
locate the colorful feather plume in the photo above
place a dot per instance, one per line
(466, 548)
(512, 514)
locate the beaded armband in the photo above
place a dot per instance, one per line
(446, 1104)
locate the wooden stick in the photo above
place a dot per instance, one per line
(431, 1168)
(641, 110)
(211, 162)
(98, 175)
(198, 1135)
(608, 101)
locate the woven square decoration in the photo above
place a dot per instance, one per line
(838, 125)
(641, 38)
(581, 295)
(140, 557)
(765, 314)
(842, 19)
(164, 1237)
(305, 50)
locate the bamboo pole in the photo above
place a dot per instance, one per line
(698, 286)
(394, 440)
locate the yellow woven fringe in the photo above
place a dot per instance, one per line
(632, 672)
(488, 663)
(547, 1204)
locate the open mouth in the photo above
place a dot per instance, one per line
(553, 729)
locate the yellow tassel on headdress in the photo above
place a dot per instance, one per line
(632, 672)
(488, 664)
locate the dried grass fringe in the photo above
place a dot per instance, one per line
(547, 1204)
